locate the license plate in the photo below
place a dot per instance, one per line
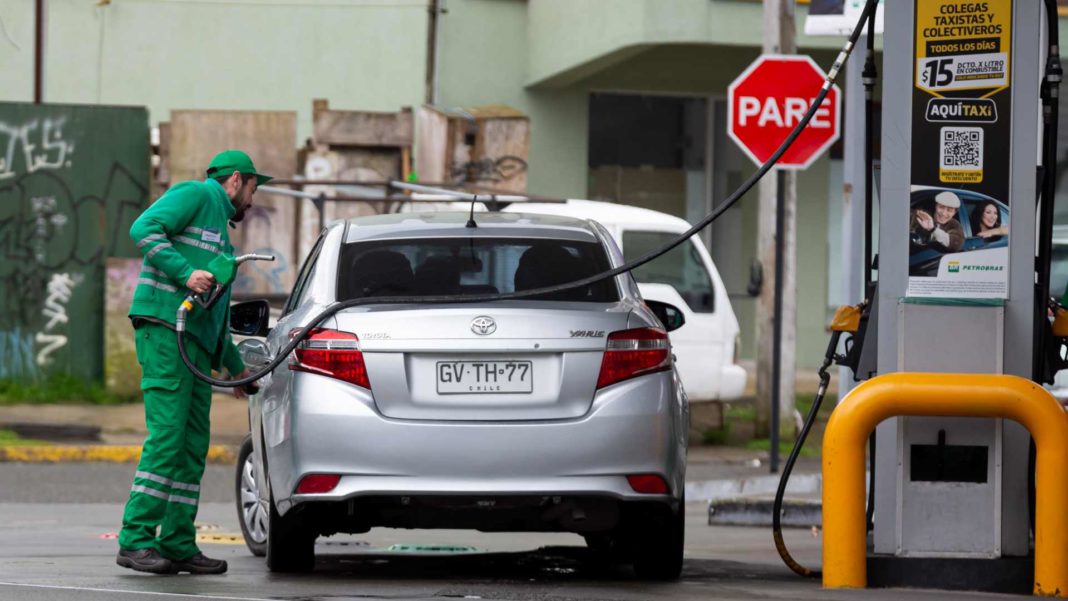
(485, 377)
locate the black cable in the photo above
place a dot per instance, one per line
(284, 352)
(1041, 364)
(869, 77)
(776, 511)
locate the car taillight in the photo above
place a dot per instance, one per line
(647, 484)
(334, 354)
(632, 353)
(317, 483)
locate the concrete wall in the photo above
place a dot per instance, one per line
(483, 59)
(601, 33)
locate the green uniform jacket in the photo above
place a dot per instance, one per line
(182, 231)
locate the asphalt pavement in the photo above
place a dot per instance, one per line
(65, 551)
(58, 523)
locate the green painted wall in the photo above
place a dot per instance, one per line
(482, 59)
(601, 33)
(72, 180)
(239, 54)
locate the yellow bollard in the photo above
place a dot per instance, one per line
(949, 395)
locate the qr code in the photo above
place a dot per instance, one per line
(962, 148)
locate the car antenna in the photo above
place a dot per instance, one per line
(471, 217)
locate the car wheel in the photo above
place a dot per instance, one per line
(289, 547)
(658, 555)
(251, 510)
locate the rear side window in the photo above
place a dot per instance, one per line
(681, 268)
(468, 266)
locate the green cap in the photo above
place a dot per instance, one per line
(229, 161)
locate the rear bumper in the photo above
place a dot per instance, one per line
(732, 382)
(330, 427)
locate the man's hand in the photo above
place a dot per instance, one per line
(925, 220)
(242, 392)
(200, 281)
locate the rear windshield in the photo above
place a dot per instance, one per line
(468, 266)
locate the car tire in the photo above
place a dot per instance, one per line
(251, 511)
(289, 547)
(658, 555)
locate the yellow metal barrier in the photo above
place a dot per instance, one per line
(957, 395)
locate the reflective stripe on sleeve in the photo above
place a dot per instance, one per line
(157, 248)
(197, 243)
(145, 267)
(149, 238)
(155, 284)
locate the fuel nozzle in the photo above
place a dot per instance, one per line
(224, 269)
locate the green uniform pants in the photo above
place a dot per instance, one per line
(166, 487)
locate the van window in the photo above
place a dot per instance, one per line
(682, 268)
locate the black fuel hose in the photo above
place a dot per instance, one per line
(776, 512)
(329, 311)
(870, 74)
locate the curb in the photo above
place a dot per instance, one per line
(54, 432)
(796, 513)
(217, 454)
(730, 488)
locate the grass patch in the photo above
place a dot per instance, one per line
(742, 412)
(763, 444)
(803, 403)
(60, 389)
(8, 438)
(717, 436)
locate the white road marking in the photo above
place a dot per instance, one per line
(155, 594)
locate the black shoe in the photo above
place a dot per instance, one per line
(145, 560)
(200, 564)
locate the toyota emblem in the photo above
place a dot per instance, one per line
(483, 325)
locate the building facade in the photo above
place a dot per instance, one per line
(626, 97)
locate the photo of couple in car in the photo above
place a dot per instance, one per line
(944, 221)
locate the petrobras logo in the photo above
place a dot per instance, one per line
(954, 266)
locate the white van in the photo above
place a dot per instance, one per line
(706, 347)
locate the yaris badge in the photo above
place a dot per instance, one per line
(483, 325)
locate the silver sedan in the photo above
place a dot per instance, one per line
(561, 412)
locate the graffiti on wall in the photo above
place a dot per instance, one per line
(50, 241)
(17, 354)
(39, 143)
(53, 338)
(261, 276)
(487, 169)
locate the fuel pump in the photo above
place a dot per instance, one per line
(954, 503)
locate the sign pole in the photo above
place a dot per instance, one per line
(765, 103)
(776, 353)
(778, 38)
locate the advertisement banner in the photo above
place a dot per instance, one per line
(961, 130)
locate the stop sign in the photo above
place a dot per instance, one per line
(768, 100)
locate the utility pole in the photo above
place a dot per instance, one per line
(38, 51)
(779, 38)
